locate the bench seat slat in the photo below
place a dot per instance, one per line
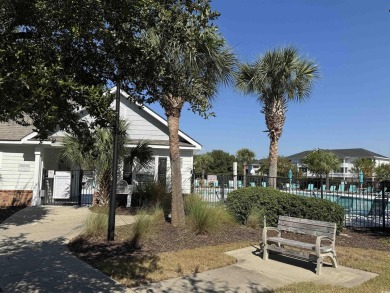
(289, 242)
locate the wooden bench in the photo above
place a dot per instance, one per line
(325, 233)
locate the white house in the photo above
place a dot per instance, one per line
(31, 171)
(347, 158)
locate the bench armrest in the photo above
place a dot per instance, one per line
(266, 229)
(318, 243)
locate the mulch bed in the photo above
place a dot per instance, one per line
(6, 212)
(167, 238)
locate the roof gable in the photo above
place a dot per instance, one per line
(342, 153)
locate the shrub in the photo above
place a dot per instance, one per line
(204, 218)
(274, 203)
(96, 223)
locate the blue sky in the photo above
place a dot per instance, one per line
(350, 104)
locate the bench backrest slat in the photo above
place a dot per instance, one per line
(308, 227)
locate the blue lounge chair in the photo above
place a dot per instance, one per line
(216, 183)
(310, 187)
(231, 184)
(332, 188)
(264, 184)
(253, 184)
(341, 188)
(239, 183)
(352, 188)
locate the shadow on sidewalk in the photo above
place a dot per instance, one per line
(48, 267)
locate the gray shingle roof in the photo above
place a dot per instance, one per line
(11, 131)
(342, 153)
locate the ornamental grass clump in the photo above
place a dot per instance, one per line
(96, 223)
(204, 218)
(144, 224)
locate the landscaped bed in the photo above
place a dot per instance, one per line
(171, 252)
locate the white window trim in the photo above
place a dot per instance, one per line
(1, 159)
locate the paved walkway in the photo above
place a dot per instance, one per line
(34, 258)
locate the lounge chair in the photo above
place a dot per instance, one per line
(252, 184)
(323, 187)
(264, 184)
(196, 183)
(352, 188)
(341, 188)
(216, 183)
(239, 183)
(231, 184)
(332, 188)
(310, 187)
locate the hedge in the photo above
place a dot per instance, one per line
(273, 203)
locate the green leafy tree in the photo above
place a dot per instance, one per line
(98, 157)
(321, 163)
(57, 57)
(382, 172)
(366, 165)
(187, 60)
(244, 156)
(277, 77)
(284, 165)
(221, 162)
(202, 163)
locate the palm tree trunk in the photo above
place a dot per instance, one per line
(178, 218)
(273, 158)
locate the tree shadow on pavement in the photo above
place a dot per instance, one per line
(48, 266)
(27, 215)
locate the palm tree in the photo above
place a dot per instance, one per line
(96, 155)
(186, 66)
(277, 77)
(202, 163)
(244, 156)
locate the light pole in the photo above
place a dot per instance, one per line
(111, 215)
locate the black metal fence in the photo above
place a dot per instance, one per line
(78, 191)
(366, 203)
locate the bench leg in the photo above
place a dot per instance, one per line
(319, 265)
(265, 252)
(334, 261)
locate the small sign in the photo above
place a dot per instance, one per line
(211, 178)
(24, 167)
(50, 173)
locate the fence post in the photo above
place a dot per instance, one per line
(383, 206)
(223, 188)
(235, 175)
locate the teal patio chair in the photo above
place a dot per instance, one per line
(352, 188)
(332, 188)
(253, 184)
(264, 184)
(341, 188)
(239, 183)
(231, 184)
(310, 187)
(216, 183)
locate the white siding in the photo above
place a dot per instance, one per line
(142, 125)
(17, 172)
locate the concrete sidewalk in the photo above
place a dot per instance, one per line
(34, 256)
(252, 274)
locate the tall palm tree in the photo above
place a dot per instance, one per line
(244, 156)
(277, 77)
(186, 63)
(97, 156)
